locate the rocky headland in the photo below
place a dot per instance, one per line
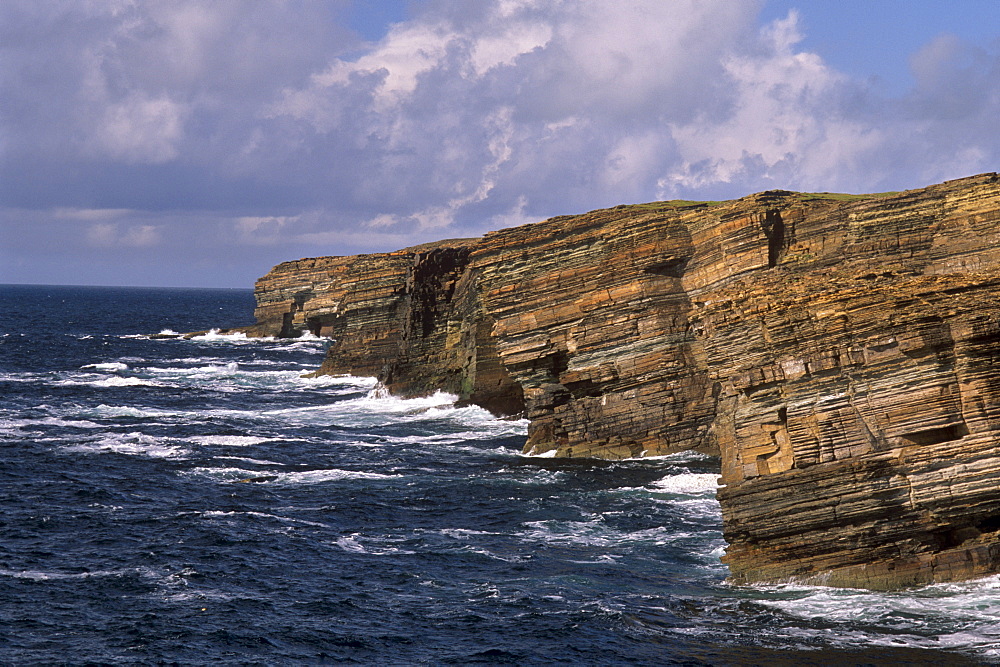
(840, 353)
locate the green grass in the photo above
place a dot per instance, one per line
(840, 196)
(673, 203)
(676, 204)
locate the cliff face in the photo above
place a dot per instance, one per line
(841, 354)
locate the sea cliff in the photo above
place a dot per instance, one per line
(840, 353)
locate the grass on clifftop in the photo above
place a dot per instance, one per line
(675, 204)
(840, 196)
(803, 196)
(671, 203)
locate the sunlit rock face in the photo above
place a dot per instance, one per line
(841, 354)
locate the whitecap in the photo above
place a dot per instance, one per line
(366, 411)
(231, 377)
(378, 399)
(214, 336)
(688, 483)
(23, 377)
(113, 366)
(699, 508)
(295, 477)
(591, 533)
(133, 444)
(460, 533)
(963, 615)
(114, 411)
(262, 515)
(41, 575)
(244, 459)
(597, 533)
(494, 428)
(329, 475)
(352, 544)
(124, 382)
(603, 559)
(54, 421)
(336, 380)
(228, 440)
(548, 454)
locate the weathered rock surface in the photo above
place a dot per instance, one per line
(841, 354)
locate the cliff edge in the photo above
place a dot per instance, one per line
(840, 353)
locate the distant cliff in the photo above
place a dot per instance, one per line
(841, 353)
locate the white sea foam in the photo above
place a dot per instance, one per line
(461, 533)
(215, 370)
(216, 514)
(487, 429)
(123, 382)
(41, 575)
(353, 543)
(926, 617)
(22, 377)
(603, 559)
(197, 360)
(594, 533)
(132, 444)
(549, 454)
(689, 483)
(106, 381)
(699, 508)
(305, 343)
(378, 401)
(330, 475)
(53, 421)
(335, 380)
(261, 462)
(294, 477)
(232, 376)
(115, 411)
(213, 334)
(228, 440)
(113, 366)
(366, 411)
(477, 423)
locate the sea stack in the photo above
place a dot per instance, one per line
(840, 353)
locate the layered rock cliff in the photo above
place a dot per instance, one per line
(841, 354)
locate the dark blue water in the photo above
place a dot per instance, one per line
(200, 502)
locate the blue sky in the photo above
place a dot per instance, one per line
(197, 143)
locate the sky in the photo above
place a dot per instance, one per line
(197, 143)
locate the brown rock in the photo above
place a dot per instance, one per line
(841, 353)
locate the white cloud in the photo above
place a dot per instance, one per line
(263, 230)
(103, 235)
(113, 235)
(140, 129)
(90, 213)
(281, 129)
(141, 236)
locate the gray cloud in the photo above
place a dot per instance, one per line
(226, 136)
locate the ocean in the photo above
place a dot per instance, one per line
(170, 501)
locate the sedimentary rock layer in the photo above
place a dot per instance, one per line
(841, 354)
